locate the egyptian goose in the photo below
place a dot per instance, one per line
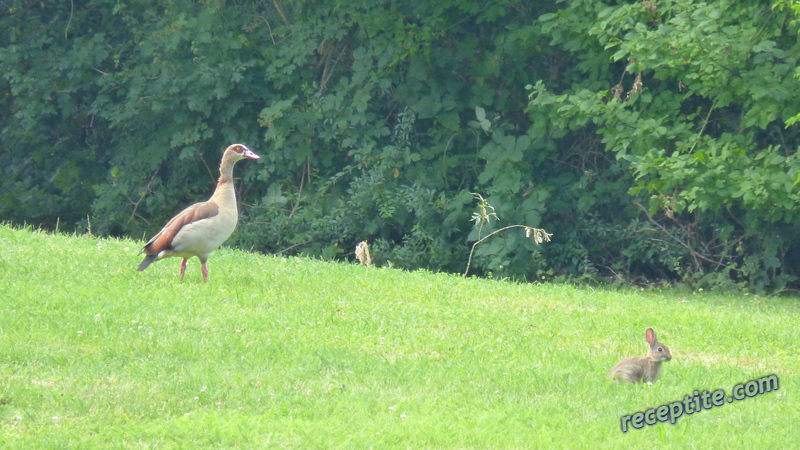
(201, 228)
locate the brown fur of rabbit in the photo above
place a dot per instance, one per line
(642, 368)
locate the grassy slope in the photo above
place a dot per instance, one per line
(295, 352)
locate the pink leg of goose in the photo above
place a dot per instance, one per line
(205, 271)
(183, 267)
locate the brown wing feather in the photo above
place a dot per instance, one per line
(194, 213)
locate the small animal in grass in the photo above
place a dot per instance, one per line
(642, 368)
(201, 228)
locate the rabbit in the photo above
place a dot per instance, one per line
(638, 368)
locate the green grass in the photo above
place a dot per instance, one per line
(293, 352)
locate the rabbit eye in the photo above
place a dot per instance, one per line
(660, 349)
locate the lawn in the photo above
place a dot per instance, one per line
(295, 352)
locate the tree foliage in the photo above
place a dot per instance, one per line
(695, 116)
(651, 141)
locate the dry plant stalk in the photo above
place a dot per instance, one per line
(362, 253)
(617, 91)
(539, 235)
(637, 86)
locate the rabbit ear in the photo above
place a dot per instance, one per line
(650, 335)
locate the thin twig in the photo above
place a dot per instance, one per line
(696, 256)
(296, 205)
(278, 7)
(69, 22)
(141, 197)
(269, 28)
(210, 174)
(293, 246)
(703, 128)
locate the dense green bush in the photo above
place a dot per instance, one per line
(650, 141)
(696, 119)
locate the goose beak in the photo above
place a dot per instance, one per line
(250, 155)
